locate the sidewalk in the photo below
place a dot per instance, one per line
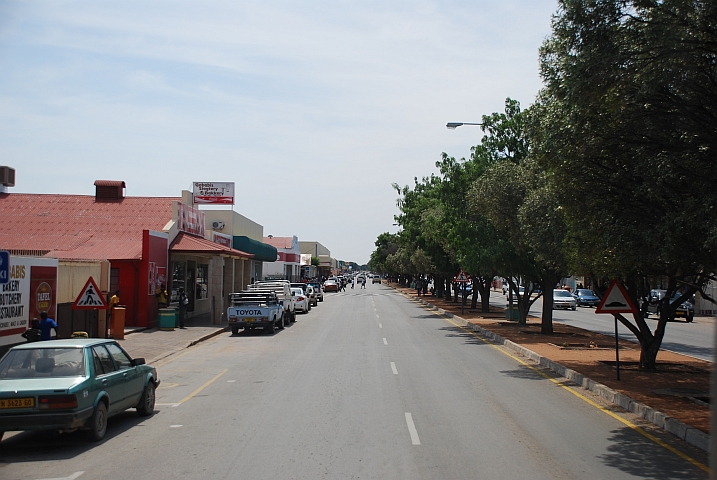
(675, 397)
(154, 344)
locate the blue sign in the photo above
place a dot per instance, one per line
(4, 267)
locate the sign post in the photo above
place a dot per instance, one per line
(615, 301)
(462, 278)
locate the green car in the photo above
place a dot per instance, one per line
(72, 384)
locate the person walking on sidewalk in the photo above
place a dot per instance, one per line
(46, 326)
(162, 297)
(183, 303)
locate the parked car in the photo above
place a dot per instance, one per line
(301, 300)
(254, 308)
(376, 279)
(686, 309)
(331, 286)
(564, 299)
(72, 384)
(319, 291)
(586, 297)
(311, 293)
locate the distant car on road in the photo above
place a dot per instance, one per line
(319, 291)
(564, 299)
(587, 297)
(69, 384)
(301, 300)
(331, 286)
(686, 309)
(376, 279)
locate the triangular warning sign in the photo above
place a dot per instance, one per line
(90, 297)
(461, 277)
(616, 300)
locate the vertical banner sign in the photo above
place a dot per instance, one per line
(152, 280)
(31, 290)
(190, 220)
(4, 267)
(214, 193)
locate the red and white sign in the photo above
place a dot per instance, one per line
(461, 278)
(90, 297)
(222, 239)
(616, 300)
(214, 193)
(190, 220)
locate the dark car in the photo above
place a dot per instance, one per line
(587, 298)
(71, 384)
(686, 309)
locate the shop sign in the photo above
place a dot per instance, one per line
(221, 193)
(190, 220)
(222, 239)
(31, 290)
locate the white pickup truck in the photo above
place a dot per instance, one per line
(251, 309)
(282, 289)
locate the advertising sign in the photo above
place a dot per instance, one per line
(217, 193)
(4, 267)
(190, 220)
(222, 239)
(31, 290)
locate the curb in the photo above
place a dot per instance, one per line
(681, 430)
(207, 336)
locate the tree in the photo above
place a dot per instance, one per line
(626, 125)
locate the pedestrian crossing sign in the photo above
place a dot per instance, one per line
(90, 297)
(461, 277)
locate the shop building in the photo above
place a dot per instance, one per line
(288, 260)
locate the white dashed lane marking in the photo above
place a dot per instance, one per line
(385, 342)
(393, 368)
(412, 429)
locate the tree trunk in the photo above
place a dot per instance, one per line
(440, 286)
(547, 285)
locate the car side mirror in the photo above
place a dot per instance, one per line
(136, 362)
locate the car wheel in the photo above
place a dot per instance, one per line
(293, 316)
(574, 308)
(281, 323)
(689, 319)
(145, 408)
(98, 422)
(271, 328)
(235, 329)
(321, 299)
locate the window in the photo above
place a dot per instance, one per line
(106, 362)
(202, 287)
(121, 359)
(179, 272)
(43, 362)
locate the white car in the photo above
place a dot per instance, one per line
(301, 300)
(564, 299)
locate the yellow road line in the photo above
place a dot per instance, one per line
(625, 422)
(195, 392)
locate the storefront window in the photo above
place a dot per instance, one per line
(202, 288)
(179, 270)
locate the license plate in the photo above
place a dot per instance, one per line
(17, 403)
(250, 319)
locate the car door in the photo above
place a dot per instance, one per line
(133, 383)
(108, 378)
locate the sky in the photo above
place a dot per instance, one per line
(314, 109)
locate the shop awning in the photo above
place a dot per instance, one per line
(186, 243)
(261, 251)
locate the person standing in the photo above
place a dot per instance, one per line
(183, 303)
(114, 302)
(33, 333)
(46, 325)
(419, 286)
(162, 297)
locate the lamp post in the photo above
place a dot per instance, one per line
(454, 125)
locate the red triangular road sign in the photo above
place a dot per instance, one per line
(461, 277)
(90, 297)
(616, 300)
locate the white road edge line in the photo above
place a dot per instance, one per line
(385, 342)
(173, 405)
(71, 477)
(393, 368)
(412, 429)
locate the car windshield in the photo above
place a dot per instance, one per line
(586, 293)
(297, 291)
(43, 363)
(561, 293)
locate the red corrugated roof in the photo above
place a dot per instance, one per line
(186, 243)
(78, 227)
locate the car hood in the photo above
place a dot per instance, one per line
(39, 384)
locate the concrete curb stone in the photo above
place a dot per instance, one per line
(207, 336)
(681, 430)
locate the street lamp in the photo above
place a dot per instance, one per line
(454, 125)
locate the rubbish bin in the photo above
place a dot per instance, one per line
(167, 318)
(512, 313)
(118, 323)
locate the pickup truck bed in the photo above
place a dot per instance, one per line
(253, 308)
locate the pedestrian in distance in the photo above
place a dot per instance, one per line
(46, 325)
(114, 302)
(162, 297)
(419, 286)
(33, 333)
(183, 303)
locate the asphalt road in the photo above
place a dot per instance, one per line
(695, 339)
(368, 385)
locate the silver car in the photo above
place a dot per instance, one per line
(564, 299)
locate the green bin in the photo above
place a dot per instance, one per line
(512, 313)
(167, 318)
